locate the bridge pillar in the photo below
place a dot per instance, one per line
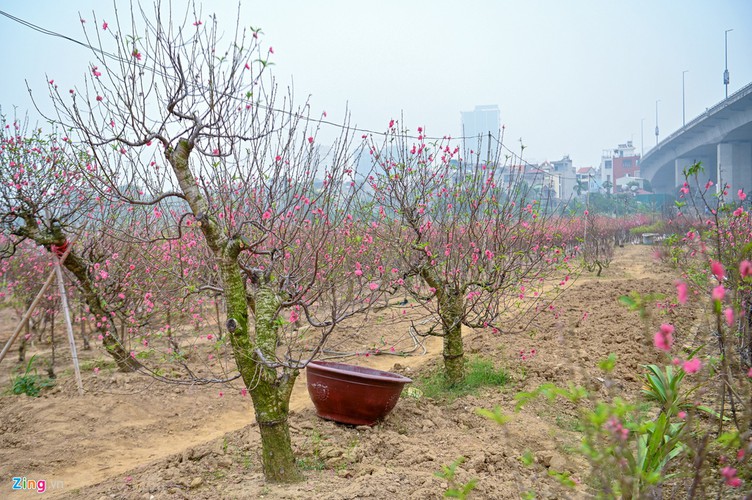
(735, 166)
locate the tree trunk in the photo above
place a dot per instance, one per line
(219, 320)
(82, 320)
(22, 346)
(272, 407)
(270, 393)
(451, 308)
(454, 353)
(271, 396)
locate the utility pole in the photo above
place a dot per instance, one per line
(656, 121)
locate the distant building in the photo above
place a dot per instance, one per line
(563, 165)
(562, 177)
(551, 180)
(589, 179)
(617, 163)
(476, 125)
(532, 175)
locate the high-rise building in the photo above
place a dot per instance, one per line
(476, 125)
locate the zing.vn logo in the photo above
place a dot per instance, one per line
(40, 485)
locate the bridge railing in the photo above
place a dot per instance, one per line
(739, 94)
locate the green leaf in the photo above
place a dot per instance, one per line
(628, 301)
(496, 415)
(608, 364)
(563, 478)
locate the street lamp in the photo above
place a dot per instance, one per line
(726, 78)
(642, 137)
(656, 121)
(684, 115)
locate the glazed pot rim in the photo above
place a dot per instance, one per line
(364, 371)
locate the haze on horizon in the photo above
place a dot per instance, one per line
(570, 78)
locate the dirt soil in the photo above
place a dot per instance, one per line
(132, 437)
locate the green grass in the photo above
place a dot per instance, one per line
(88, 365)
(101, 363)
(314, 461)
(479, 373)
(311, 463)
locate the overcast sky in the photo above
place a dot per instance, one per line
(570, 77)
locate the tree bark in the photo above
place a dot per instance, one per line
(270, 393)
(454, 353)
(451, 309)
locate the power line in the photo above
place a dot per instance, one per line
(320, 121)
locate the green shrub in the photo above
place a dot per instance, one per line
(30, 383)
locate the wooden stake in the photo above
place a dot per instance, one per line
(66, 313)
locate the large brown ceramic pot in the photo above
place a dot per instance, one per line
(352, 394)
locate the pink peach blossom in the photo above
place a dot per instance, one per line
(729, 314)
(663, 338)
(717, 269)
(681, 292)
(745, 268)
(692, 366)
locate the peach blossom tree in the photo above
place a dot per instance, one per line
(44, 199)
(185, 125)
(476, 248)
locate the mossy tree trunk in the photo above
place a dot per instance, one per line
(270, 390)
(451, 312)
(454, 353)
(271, 396)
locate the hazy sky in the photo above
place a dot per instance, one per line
(570, 76)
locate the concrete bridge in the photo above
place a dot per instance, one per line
(720, 138)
